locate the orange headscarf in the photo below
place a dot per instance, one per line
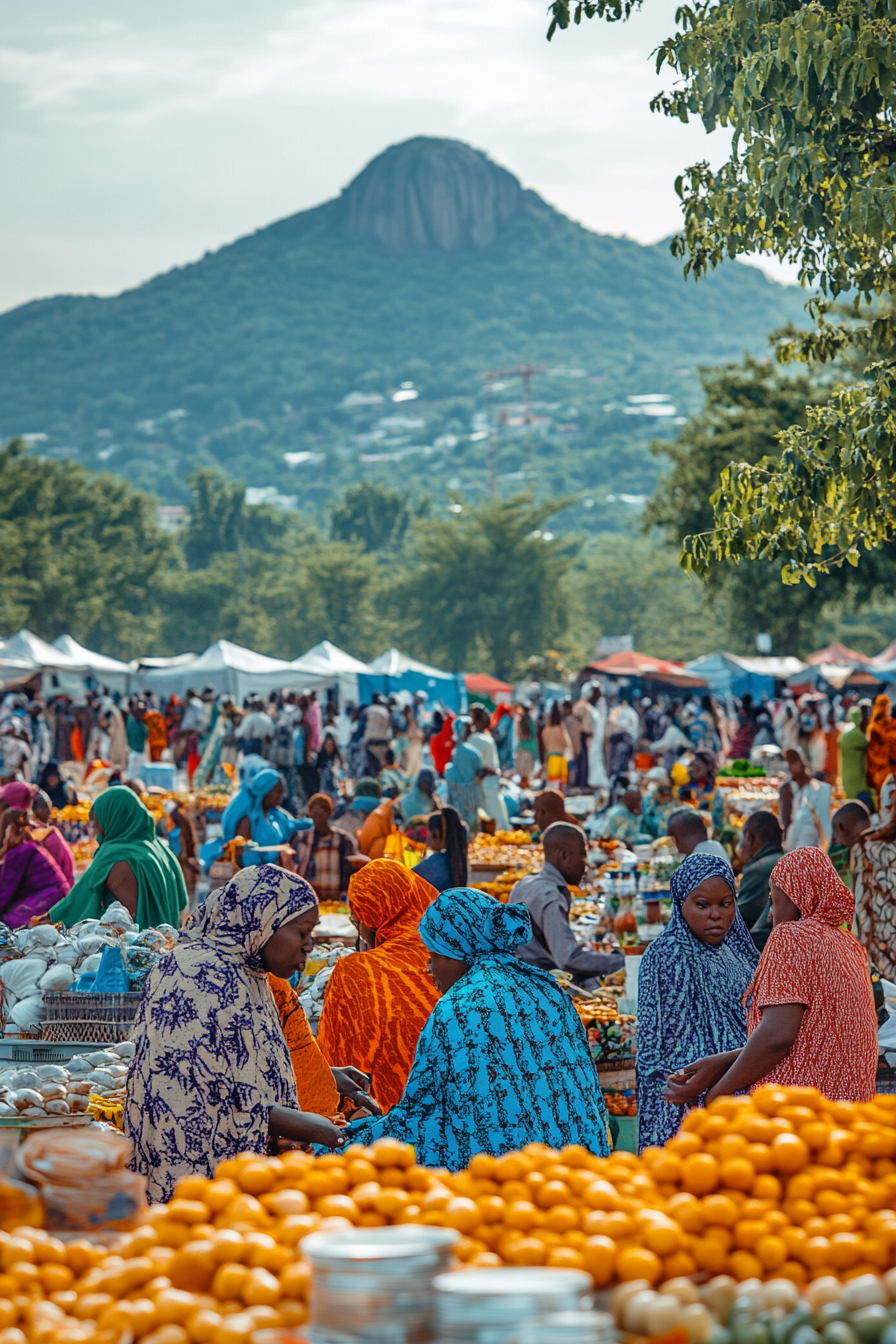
(377, 1002)
(314, 1081)
(378, 826)
(881, 734)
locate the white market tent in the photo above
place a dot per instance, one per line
(325, 665)
(730, 674)
(61, 674)
(228, 668)
(106, 671)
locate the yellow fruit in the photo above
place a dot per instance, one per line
(637, 1262)
(260, 1288)
(700, 1173)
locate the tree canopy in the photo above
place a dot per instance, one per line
(807, 90)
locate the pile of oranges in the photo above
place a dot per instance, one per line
(779, 1185)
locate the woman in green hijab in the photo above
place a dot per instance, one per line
(130, 866)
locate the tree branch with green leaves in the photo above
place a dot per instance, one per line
(807, 91)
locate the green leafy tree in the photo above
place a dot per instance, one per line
(807, 89)
(487, 586)
(221, 521)
(746, 408)
(372, 515)
(83, 554)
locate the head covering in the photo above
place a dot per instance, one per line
(817, 962)
(503, 1060)
(273, 828)
(465, 764)
(250, 767)
(376, 829)
(368, 788)
(809, 878)
(210, 1056)
(58, 796)
(460, 725)
(378, 1001)
(17, 794)
(419, 801)
(129, 835)
(690, 998)
(854, 715)
(468, 925)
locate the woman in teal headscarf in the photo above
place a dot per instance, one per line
(503, 1060)
(255, 813)
(130, 865)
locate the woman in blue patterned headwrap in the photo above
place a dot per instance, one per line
(503, 1060)
(691, 986)
(211, 1075)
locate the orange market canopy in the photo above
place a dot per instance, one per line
(631, 664)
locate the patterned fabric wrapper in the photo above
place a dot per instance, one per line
(211, 1059)
(690, 998)
(503, 1060)
(377, 1002)
(816, 962)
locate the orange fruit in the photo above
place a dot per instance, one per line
(710, 1254)
(817, 1252)
(790, 1152)
(766, 1186)
(830, 1201)
(562, 1218)
(236, 1329)
(719, 1210)
(681, 1265)
(173, 1306)
(281, 1203)
(664, 1237)
(228, 1281)
(527, 1251)
(744, 1265)
(392, 1153)
(638, 1262)
(771, 1252)
(694, 1122)
(684, 1143)
(794, 1271)
(522, 1214)
(552, 1192)
(460, 1213)
(255, 1177)
(700, 1173)
(492, 1208)
(56, 1278)
(769, 1099)
(846, 1249)
(564, 1257)
(606, 1224)
(260, 1288)
(687, 1211)
(601, 1195)
(748, 1232)
(666, 1168)
(324, 1181)
(295, 1280)
(737, 1172)
(511, 1167)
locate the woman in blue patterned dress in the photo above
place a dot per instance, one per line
(503, 1060)
(212, 1075)
(691, 986)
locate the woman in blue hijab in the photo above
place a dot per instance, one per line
(691, 986)
(256, 814)
(503, 1060)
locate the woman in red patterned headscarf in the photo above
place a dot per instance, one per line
(377, 1002)
(811, 1019)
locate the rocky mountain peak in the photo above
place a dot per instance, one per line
(429, 194)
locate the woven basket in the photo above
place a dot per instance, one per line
(100, 1018)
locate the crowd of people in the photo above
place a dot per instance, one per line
(448, 1027)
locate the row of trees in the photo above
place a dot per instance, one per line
(487, 586)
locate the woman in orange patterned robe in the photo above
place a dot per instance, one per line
(377, 1002)
(156, 734)
(315, 1086)
(880, 760)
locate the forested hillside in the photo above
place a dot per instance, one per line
(431, 268)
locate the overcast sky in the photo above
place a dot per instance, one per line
(135, 137)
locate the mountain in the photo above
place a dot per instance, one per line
(432, 266)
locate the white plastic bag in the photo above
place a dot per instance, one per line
(117, 917)
(67, 954)
(28, 1013)
(56, 979)
(21, 977)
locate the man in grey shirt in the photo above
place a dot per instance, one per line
(547, 897)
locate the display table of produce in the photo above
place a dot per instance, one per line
(768, 1219)
(497, 862)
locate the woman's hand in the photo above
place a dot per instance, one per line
(683, 1088)
(303, 1127)
(352, 1083)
